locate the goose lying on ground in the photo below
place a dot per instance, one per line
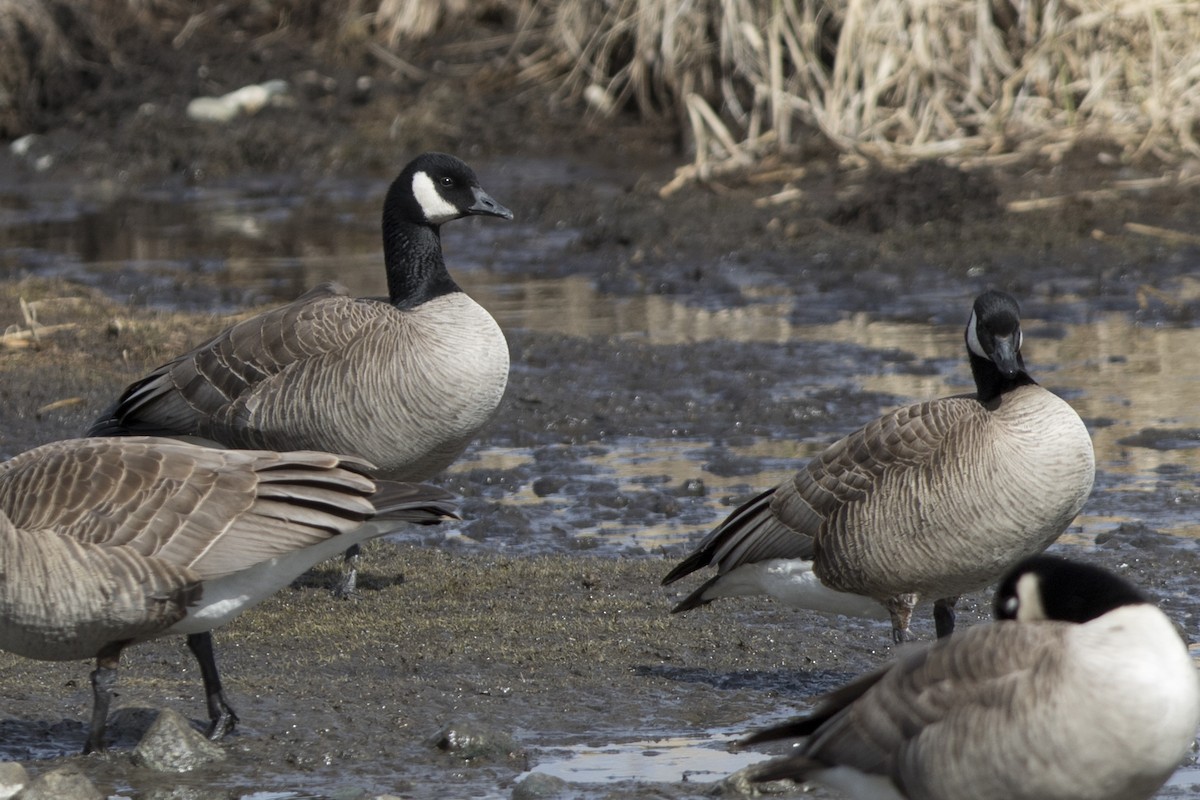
(405, 382)
(108, 542)
(1083, 690)
(925, 503)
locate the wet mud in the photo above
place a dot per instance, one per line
(671, 355)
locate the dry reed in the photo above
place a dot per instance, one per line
(35, 54)
(890, 81)
(51, 53)
(893, 82)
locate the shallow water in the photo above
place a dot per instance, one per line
(223, 249)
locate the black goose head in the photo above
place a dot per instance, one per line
(432, 189)
(994, 345)
(435, 188)
(1048, 588)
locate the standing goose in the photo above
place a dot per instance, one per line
(404, 382)
(1083, 690)
(112, 541)
(925, 503)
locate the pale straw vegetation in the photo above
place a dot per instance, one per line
(886, 81)
(891, 81)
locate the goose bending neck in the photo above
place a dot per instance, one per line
(416, 271)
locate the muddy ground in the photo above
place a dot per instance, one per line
(346, 699)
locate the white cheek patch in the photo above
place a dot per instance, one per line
(1029, 598)
(973, 343)
(435, 207)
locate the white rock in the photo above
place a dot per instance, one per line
(240, 102)
(19, 147)
(13, 778)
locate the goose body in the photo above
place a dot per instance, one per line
(107, 542)
(404, 382)
(924, 503)
(1095, 700)
(406, 390)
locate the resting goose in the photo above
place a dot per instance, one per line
(405, 382)
(107, 542)
(1083, 690)
(925, 503)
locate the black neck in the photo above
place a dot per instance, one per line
(990, 383)
(416, 271)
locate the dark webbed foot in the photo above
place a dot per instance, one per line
(224, 721)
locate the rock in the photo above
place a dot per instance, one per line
(241, 102)
(739, 784)
(187, 793)
(540, 786)
(22, 146)
(471, 741)
(548, 485)
(32, 149)
(64, 783)
(173, 745)
(13, 778)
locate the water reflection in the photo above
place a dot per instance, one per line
(670, 759)
(1123, 379)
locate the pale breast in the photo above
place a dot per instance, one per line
(1003, 483)
(429, 379)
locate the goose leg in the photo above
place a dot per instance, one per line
(349, 582)
(104, 677)
(222, 717)
(943, 616)
(900, 608)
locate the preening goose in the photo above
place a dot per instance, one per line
(107, 542)
(925, 503)
(1083, 690)
(405, 382)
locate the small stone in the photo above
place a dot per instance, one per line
(187, 793)
(13, 779)
(548, 485)
(471, 741)
(173, 745)
(540, 786)
(64, 783)
(22, 146)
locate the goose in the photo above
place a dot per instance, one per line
(107, 542)
(926, 502)
(1082, 690)
(404, 382)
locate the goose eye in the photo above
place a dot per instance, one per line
(447, 181)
